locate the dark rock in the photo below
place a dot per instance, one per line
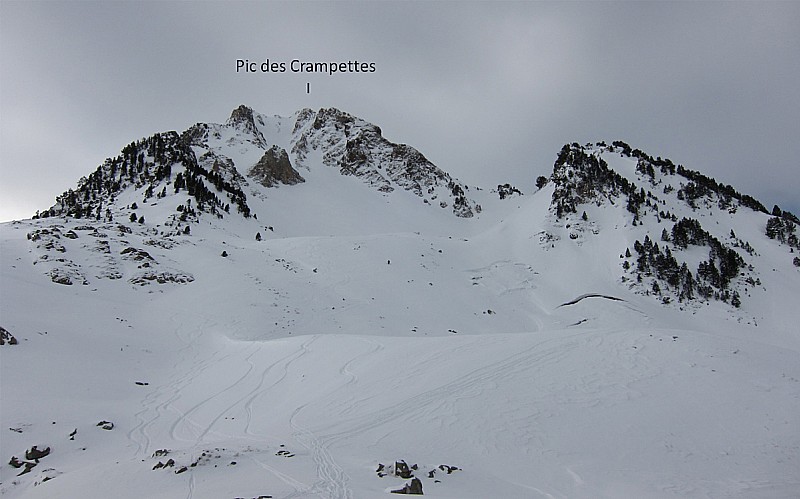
(35, 453)
(414, 488)
(274, 168)
(242, 117)
(61, 279)
(507, 190)
(28, 467)
(15, 462)
(448, 469)
(181, 470)
(380, 468)
(401, 469)
(106, 425)
(136, 254)
(149, 277)
(6, 338)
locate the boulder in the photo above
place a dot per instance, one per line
(274, 168)
(402, 470)
(34, 453)
(6, 338)
(413, 488)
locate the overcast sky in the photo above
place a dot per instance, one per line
(487, 91)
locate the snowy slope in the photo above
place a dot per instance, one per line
(368, 327)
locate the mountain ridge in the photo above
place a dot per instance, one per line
(219, 165)
(194, 321)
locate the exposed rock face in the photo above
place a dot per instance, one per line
(34, 453)
(242, 118)
(507, 190)
(402, 470)
(6, 337)
(414, 488)
(357, 148)
(274, 168)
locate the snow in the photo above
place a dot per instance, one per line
(369, 328)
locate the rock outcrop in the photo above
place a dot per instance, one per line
(275, 168)
(6, 338)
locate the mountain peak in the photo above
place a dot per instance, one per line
(242, 114)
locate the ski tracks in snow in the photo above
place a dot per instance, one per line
(332, 479)
(198, 423)
(155, 404)
(263, 386)
(468, 385)
(300, 488)
(200, 430)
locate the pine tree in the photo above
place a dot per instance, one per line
(258, 236)
(735, 300)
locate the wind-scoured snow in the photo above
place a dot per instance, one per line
(506, 355)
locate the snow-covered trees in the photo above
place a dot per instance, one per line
(713, 276)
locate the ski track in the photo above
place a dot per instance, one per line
(333, 480)
(260, 389)
(139, 433)
(299, 487)
(352, 378)
(528, 359)
(210, 425)
(190, 492)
